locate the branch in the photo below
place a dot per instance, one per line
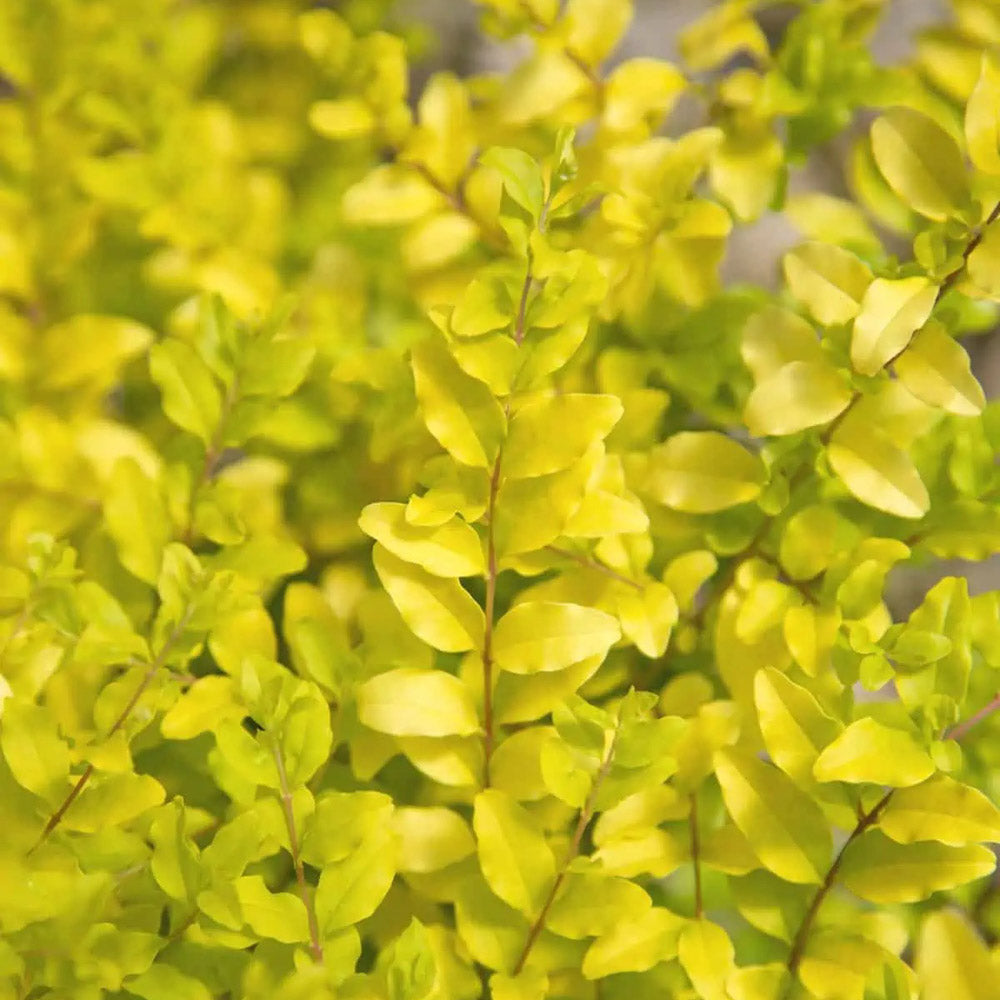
(593, 564)
(147, 678)
(315, 947)
(584, 818)
(961, 729)
(695, 854)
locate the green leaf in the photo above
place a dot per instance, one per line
(708, 957)
(869, 751)
(546, 635)
(773, 338)
(460, 411)
(982, 118)
(648, 617)
(350, 890)
(438, 610)
(411, 967)
(522, 176)
(341, 823)
(515, 859)
(943, 810)
(449, 549)
(921, 162)
(635, 944)
(589, 905)
(699, 472)
(430, 838)
(831, 282)
(794, 726)
(548, 435)
(892, 309)
(277, 915)
(786, 828)
(882, 871)
(191, 398)
(952, 960)
(164, 982)
(876, 471)
(936, 369)
(37, 756)
(799, 395)
(137, 519)
(414, 702)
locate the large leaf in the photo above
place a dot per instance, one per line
(547, 635)
(784, 826)
(953, 962)
(516, 861)
(439, 611)
(982, 118)
(892, 309)
(941, 809)
(867, 751)
(936, 369)
(828, 280)
(413, 702)
(799, 395)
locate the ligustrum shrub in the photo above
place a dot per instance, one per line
(422, 579)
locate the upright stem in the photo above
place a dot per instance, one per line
(584, 818)
(315, 947)
(696, 854)
(491, 592)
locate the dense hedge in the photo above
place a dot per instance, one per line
(615, 707)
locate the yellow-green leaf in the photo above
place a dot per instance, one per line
(784, 826)
(648, 616)
(892, 309)
(191, 398)
(794, 726)
(36, 754)
(829, 281)
(430, 838)
(439, 611)
(635, 944)
(936, 369)
(413, 702)
(460, 411)
(699, 472)
(801, 394)
(882, 871)
(277, 915)
(982, 118)
(876, 471)
(773, 338)
(867, 751)
(921, 162)
(589, 905)
(449, 549)
(941, 809)
(549, 635)
(708, 957)
(516, 861)
(953, 963)
(548, 435)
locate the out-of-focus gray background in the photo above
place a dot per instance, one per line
(754, 250)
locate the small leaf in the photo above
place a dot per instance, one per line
(277, 915)
(831, 282)
(413, 702)
(941, 809)
(921, 162)
(548, 435)
(708, 957)
(785, 828)
(876, 471)
(892, 309)
(449, 549)
(439, 611)
(952, 960)
(191, 398)
(869, 751)
(801, 394)
(351, 890)
(982, 118)
(516, 861)
(700, 472)
(936, 369)
(430, 838)
(546, 635)
(882, 871)
(635, 944)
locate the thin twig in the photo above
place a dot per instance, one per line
(315, 947)
(584, 818)
(593, 564)
(960, 729)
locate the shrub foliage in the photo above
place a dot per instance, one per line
(614, 706)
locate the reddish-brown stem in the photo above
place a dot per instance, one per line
(696, 854)
(595, 565)
(315, 946)
(865, 821)
(491, 592)
(584, 818)
(962, 728)
(147, 678)
(522, 306)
